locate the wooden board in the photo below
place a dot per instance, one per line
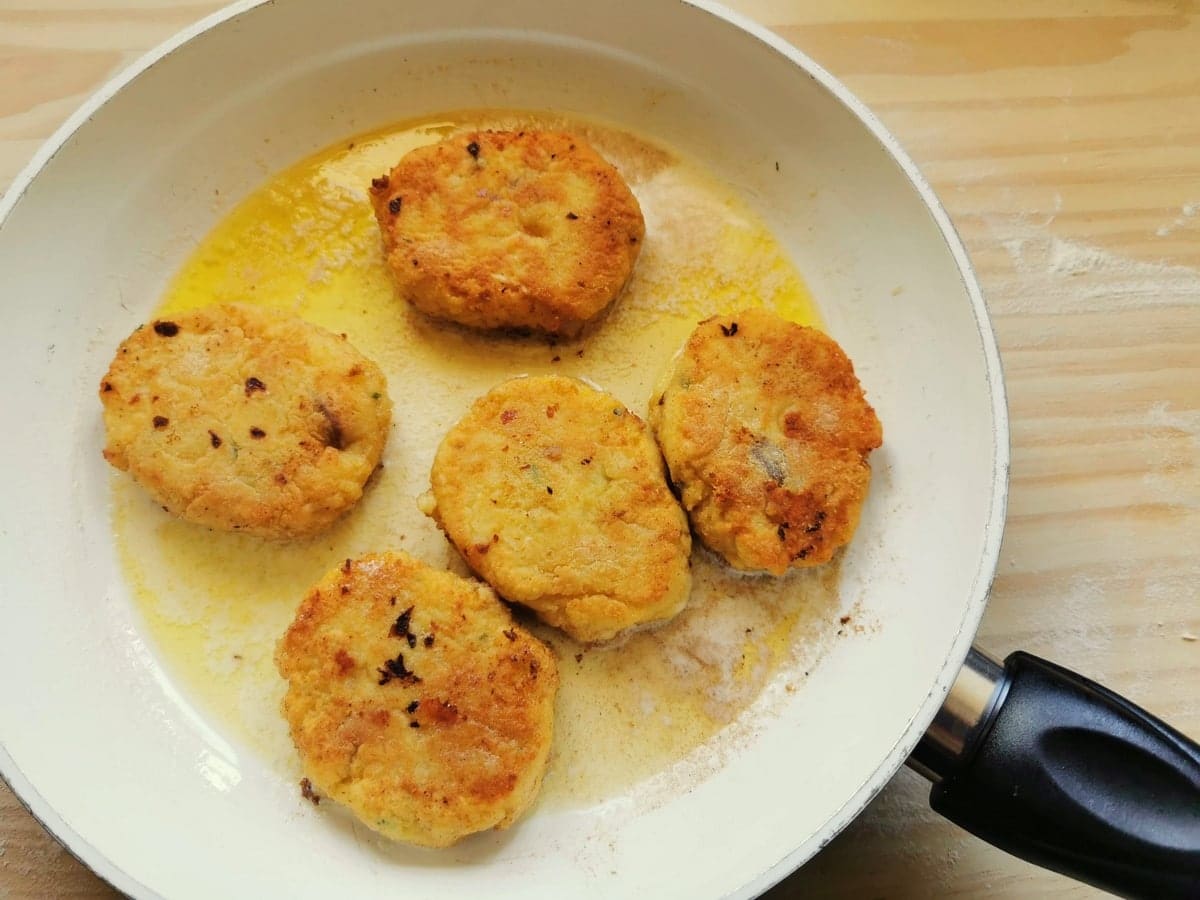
(1064, 138)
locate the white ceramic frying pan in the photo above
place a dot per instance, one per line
(105, 750)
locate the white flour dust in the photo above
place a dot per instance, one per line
(1187, 211)
(1081, 277)
(1047, 273)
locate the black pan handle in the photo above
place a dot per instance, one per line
(1060, 771)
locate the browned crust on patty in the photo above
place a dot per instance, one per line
(766, 432)
(555, 494)
(245, 419)
(521, 230)
(415, 700)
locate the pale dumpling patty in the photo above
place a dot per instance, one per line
(766, 433)
(246, 419)
(415, 700)
(524, 230)
(556, 495)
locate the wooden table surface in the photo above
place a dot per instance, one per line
(1064, 138)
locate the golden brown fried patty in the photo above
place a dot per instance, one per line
(766, 433)
(415, 700)
(555, 493)
(523, 230)
(245, 419)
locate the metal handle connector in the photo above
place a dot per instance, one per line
(966, 712)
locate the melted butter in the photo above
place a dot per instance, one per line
(215, 603)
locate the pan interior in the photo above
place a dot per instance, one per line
(214, 604)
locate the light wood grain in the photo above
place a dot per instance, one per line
(1064, 139)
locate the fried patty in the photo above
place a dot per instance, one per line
(766, 433)
(521, 230)
(415, 700)
(245, 419)
(556, 495)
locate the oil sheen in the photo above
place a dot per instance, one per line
(214, 604)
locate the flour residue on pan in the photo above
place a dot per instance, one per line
(647, 704)
(662, 707)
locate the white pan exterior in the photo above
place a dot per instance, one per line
(94, 736)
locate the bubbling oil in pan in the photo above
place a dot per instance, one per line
(306, 240)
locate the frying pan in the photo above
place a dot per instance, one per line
(100, 743)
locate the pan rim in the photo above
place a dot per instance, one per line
(973, 606)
